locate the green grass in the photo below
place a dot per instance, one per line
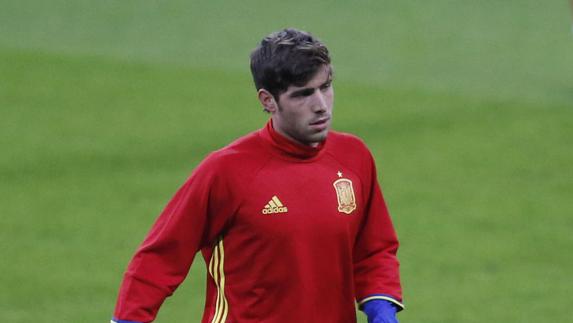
(106, 107)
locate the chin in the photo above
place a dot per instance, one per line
(318, 137)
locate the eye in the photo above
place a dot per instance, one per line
(325, 86)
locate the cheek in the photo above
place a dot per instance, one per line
(302, 116)
(294, 115)
(328, 97)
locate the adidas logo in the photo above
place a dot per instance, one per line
(274, 206)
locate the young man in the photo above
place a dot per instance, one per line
(289, 219)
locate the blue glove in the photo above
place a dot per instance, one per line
(114, 320)
(380, 311)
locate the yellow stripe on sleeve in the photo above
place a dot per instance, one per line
(216, 269)
(222, 283)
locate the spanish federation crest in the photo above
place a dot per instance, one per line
(345, 195)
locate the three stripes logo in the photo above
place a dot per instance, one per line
(274, 206)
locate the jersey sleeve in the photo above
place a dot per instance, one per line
(192, 219)
(376, 267)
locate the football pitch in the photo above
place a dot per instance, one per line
(106, 107)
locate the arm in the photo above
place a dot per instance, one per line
(376, 267)
(165, 256)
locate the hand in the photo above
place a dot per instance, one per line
(380, 311)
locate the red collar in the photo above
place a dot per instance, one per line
(288, 147)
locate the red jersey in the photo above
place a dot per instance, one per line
(289, 233)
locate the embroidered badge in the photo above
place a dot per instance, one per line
(345, 194)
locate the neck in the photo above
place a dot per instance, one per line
(286, 135)
(286, 146)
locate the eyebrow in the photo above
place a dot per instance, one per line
(309, 90)
(302, 92)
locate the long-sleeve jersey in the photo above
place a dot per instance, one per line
(289, 233)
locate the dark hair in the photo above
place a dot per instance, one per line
(287, 57)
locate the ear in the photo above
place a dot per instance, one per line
(267, 101)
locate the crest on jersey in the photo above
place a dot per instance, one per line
(345, 195)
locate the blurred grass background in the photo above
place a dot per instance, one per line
(106, 107)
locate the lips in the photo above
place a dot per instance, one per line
(319, 125)
(319, 122)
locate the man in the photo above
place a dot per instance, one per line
(289, 219)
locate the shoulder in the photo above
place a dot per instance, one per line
(243, 154)
(352, 153)
(347, 146)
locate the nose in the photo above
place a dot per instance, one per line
(320, 103)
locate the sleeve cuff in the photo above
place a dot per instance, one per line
(114, 320)
(383, 297)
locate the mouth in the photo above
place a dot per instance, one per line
(319, 125)
(320, 122)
